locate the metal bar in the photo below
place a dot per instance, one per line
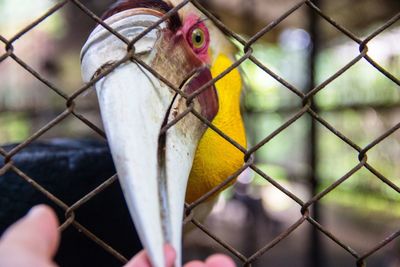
(316, 258)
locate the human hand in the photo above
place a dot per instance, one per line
(33, 241)
(217, 260)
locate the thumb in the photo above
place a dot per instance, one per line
(36, 234)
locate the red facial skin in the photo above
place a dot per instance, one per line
(179, 50)
(191, 23)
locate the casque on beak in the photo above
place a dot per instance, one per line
(153, 167)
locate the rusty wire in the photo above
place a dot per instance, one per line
(248, 154)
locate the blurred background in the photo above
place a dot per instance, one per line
(305, 158)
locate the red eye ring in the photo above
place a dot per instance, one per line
(198, 38)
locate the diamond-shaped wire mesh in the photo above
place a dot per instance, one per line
(307, 110)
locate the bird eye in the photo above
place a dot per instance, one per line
(198, 38)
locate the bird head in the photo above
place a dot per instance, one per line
(139, 103)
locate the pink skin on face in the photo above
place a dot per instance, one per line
(191, 23)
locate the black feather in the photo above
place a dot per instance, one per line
(174, 21)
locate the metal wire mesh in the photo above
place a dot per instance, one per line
(305, 216)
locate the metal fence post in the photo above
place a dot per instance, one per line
(316, 246)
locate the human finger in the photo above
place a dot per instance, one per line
(32, 239)
(141, 259)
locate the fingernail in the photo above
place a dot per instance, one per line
(36, 211)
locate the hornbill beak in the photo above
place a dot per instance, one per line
(153, 165)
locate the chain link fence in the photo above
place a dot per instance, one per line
(305, 215)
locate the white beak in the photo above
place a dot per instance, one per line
(153, 169)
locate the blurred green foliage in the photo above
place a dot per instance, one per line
(14, 126)
(362, 104)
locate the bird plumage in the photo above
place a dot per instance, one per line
(154, 167)
(216, 159)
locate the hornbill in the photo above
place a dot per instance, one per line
(161, 169)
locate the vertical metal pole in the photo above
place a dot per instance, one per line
(316, 249)
(249, 16)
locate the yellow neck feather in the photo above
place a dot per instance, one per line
(216, 159)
